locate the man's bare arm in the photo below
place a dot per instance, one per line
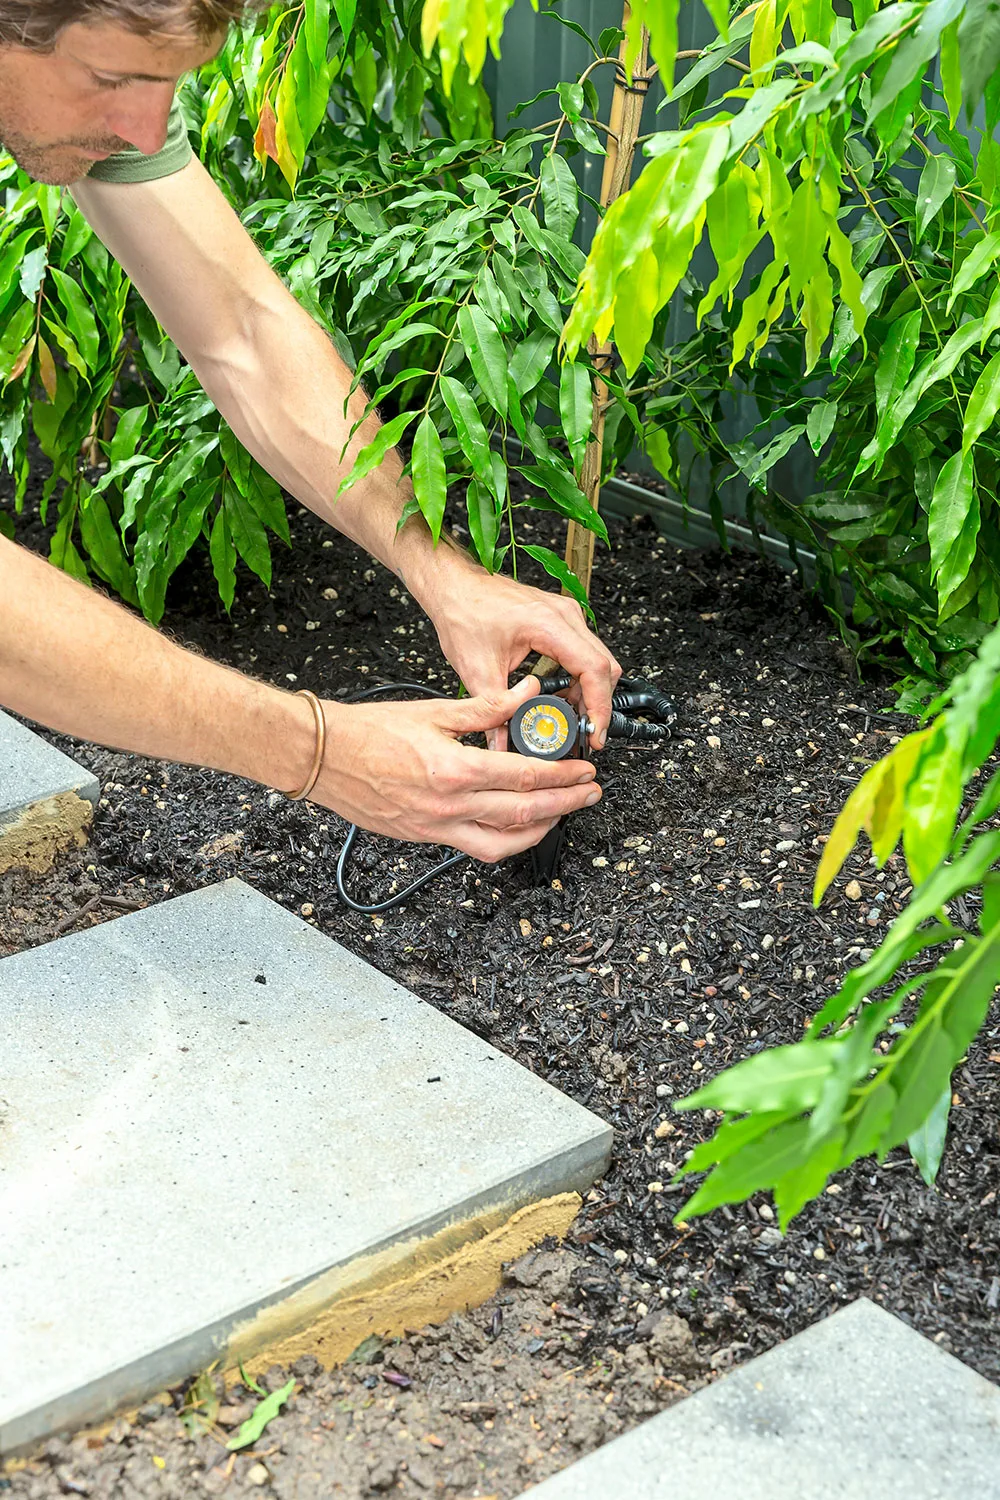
(281, 386)
(73, 660)
(269, 368)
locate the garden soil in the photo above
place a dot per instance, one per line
(679, 937)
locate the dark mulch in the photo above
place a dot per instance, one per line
(679, 938)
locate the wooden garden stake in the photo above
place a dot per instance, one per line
(623, 130)
(626, 116)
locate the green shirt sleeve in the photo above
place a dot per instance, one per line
(133, 166)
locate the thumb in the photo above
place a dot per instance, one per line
(492, 710)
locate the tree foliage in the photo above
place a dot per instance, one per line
(873, 1070)
(856, 295)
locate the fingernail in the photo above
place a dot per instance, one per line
(594, 796)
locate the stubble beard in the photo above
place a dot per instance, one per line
(59, 164)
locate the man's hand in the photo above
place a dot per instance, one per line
(488, 624)
(399, 769)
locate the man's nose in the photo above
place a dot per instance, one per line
(141, 119)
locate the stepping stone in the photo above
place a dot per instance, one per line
(224, 1136)
(857, 1405)
(46, 800)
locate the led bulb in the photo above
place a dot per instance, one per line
(544, 729)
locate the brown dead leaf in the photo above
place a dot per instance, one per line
(47, 369)
(265, 141)
(21, 362)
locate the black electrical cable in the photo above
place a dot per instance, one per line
(433, 873)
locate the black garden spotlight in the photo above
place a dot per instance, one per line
(548, 728)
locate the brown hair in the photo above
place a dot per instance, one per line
(37, 23)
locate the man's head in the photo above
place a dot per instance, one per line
(83, 79)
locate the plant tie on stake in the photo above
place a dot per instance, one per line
(546, 727)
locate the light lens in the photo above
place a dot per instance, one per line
(544, 729)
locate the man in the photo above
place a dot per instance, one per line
(87, 98)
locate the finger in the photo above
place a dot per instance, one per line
(484, 771)
(491, 844)
(490, 710)
(504, 810)
(583, 656)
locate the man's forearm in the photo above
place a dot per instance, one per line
(270, 369)
(285, 400)
(71, 659)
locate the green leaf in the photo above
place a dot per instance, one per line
(979, 47)
(933, 798)
(951, 71)
(247, 531)
(316, 25)
(787, 1078)
(959, 560)
(896, 358)
(556, 568)
(429, 475)
(800, 1184)
(223, 555)
(484, 521)
(264, 494)
(978, 261)
(530, 361)
(79, 315)
(469, 427)
(984, 403)
(380, 349)
(576, 405)
(820, 423)
(262, 1413)
(487, 356)
(936, 183)
(491, 299)
(128, 430)
(560, 194)
(760, 1164)
(927, 1141)
(561, 487)
(950, 503)
(31, 272)
(372, 455)
(571, 99)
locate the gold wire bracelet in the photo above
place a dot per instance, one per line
(320, 751)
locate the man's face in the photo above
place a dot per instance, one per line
(101, 89)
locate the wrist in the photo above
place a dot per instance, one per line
(280, 749)
(437, 575)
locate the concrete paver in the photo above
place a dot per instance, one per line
(208, 1106)
(859, 1405)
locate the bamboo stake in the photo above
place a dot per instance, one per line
(624, 122)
